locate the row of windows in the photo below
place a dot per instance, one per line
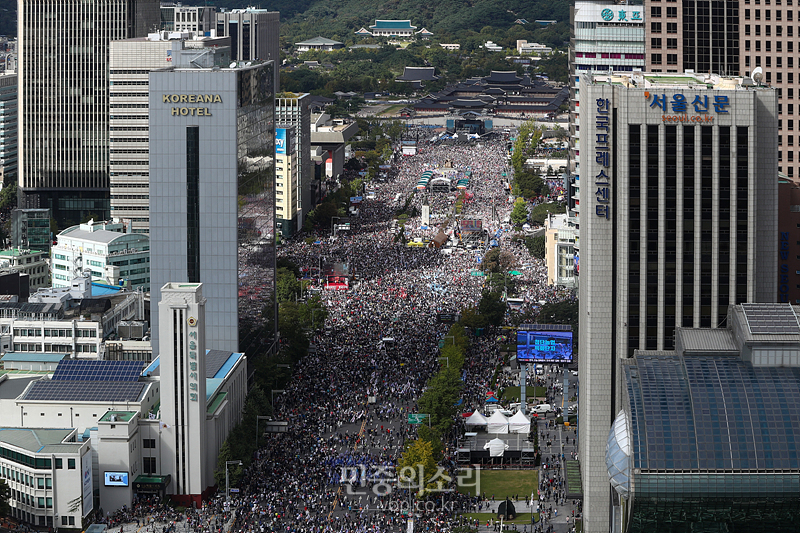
(129, 95)
(127, 82)
(129, 128)
(50, 348)
(766, 2)
(28, 500)
(129, 139)
(27, 332)
(130, 196)
(768, 74)
(672, 27)
(131, 151)
(25, 479)
(768, 48)
(672, 44)
(768, 30)
(128, 106)
(672, 59)
(767, 14)
(672, 12)
(145, 162)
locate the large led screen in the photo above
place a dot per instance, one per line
(544, 346)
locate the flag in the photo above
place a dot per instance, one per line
(164, 425)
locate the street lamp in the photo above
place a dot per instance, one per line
(445, 357)
(227, 481)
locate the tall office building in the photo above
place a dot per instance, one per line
(64, 100)
(8, 126)
(606, 36)
(130, 64)
(212, 194)
(255, 34)
(678, 221)
(295, 112)
(698, 35)
(175, 17)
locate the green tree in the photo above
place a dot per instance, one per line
(519, 214)
(492, 307)
(288, 287)
(498, 260)
(471, 318)
(536, 246)
(540, 212)
(417, 466)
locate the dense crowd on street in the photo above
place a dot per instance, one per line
(348, 401)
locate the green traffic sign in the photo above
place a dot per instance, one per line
(416, 418)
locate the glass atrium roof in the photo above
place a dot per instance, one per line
(713, 413)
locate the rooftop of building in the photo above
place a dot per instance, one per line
(669, 81)
(40, 440)
(12, 387)
(16, 252)
(393, 25)
(712, 413)
(33, 357)
(121, 416)
(318, 41)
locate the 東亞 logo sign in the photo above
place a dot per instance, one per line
(607, 14)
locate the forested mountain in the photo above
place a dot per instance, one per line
(449, 20)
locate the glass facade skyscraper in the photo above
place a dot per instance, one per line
(64, 100)
(212, 210)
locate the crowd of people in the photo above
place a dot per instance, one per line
(333, 471)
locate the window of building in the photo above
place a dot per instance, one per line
(758, 61)
(672, 44)
(672, 27)
(767, 15)
(655, 42)
(746, 45)
(758, 14)
(58, 463)
(790, 64)
(768, 31)
(768, 76)
(747, 63)
(778, 31)
(790, 75)
(655, 27)
(655, 59)
(768, 61)
(655, 11)
(747, 29)
(779, 64)
(148, 443)
(71, 464)
(672, 59)
(758, 46)
(672, 12)
(778, 78)
(790, 92)
(746, 14)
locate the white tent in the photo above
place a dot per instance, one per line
(496, 447)
(476, 419)
(519, 423)
(497, 423)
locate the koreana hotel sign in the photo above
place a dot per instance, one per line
(191, 99)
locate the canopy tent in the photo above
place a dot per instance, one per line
(492, 399)
(496, 447)
(519, 423)
(476, 419)
(497, 423)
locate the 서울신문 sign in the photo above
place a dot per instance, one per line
(697, 109)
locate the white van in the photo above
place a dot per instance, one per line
(542, 409)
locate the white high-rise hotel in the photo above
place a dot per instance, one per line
(678, 222)
(64, 100)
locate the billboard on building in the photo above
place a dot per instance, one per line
(280, 141)
(536, 346)
(86, 483)
(469, 224)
